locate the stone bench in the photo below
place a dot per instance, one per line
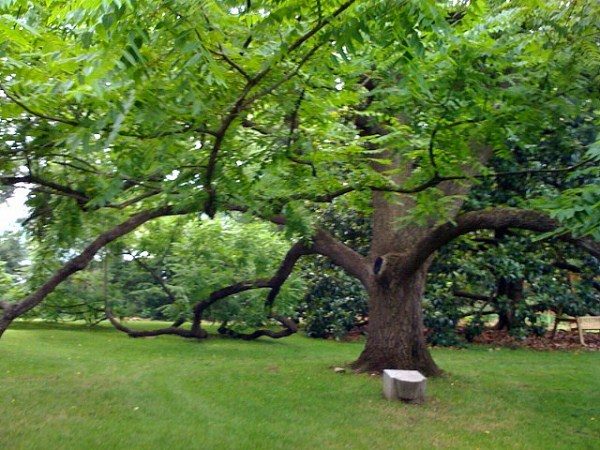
(406, 385)
(587, 323)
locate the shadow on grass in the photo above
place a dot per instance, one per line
(59, 326)
(105, 327)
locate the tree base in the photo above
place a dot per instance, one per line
(377, 361)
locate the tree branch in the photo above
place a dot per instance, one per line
(235, 66)
(491, 219)
(156, 277)
(431, 182)
(79, 196)
(35, 113)
(33, 179)
(289, 328)
(185, 129)
(243, 101)
(472, 296)
(325, 244)
(80, 261)
(172, 330)
(343, 256)
(274, 284)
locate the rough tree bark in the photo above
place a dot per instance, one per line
(395, 338)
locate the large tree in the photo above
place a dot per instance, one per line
(118, 113)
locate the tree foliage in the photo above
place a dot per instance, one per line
(118, 113)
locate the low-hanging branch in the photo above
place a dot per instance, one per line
(274, 284)
(323, 243)
(172, 330)
(289, 328)
(80, 262)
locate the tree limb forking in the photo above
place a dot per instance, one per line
(340, 254)
(243, 101)
(327, 245)
(235, 66)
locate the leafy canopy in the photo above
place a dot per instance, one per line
(114, 105)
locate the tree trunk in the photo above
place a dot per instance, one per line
(513, 291)
(395, 338)
(4, 324)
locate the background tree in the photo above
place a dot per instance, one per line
(13, 252)
(119, 114)
(334, 302)
(13, 264)
(515, 275)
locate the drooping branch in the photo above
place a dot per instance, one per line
(172, 330)
(274, 284)
(187, 128)
(323, 243)
(491, 219)
(79, 196)
(33, 179)
(289, 328)
(34, 112)
(81, 261)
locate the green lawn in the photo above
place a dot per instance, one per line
(68, 387)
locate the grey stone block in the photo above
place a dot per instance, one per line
(406, 385)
